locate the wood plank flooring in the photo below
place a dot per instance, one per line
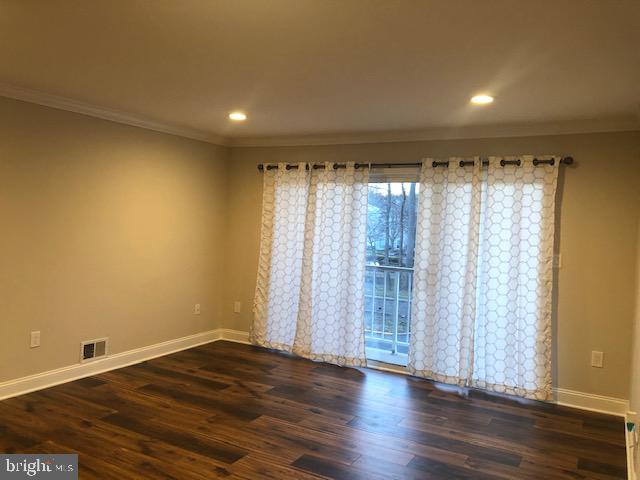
(226, 410)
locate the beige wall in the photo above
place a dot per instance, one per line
(105, 230)
(110, 230)
(597, 234)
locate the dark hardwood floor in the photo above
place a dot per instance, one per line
(234, 411)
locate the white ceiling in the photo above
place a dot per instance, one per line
(309, 67)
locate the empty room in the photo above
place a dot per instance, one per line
(319, 239)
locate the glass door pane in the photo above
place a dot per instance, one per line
(391, 230)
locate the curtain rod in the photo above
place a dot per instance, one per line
(435, 163)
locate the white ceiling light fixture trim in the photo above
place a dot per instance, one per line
(238, 116)
(482, 99)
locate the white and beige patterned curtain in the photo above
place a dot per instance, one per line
(284, 209)
(310, 288)
(481, 308)
(444, 288)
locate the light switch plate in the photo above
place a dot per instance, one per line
(35, 339)
(237, 307)
(597, 359)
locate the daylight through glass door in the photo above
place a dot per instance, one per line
(391, 233)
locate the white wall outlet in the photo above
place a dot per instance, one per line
(237, 307)
(557, 260)
(35, 339)
(196, 309)
(597, 359)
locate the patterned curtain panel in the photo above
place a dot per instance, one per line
(331, 318)
(444, 292)
(284, 209)
(483, 290)
(313, 304)
(512, 351)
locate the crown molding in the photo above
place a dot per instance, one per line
(71, 105)
(612, 124)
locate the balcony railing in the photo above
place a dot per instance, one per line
(388, 308)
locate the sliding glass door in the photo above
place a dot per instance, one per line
(391, 231)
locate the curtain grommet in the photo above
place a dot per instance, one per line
(537, 162)
(435, 164)
(504, 162)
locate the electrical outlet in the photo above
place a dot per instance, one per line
(597, 359)
(196, 309)
(237, 306)
(35, 339)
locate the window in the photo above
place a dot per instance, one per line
(391, 231)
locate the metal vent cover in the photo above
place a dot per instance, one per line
(93, 349)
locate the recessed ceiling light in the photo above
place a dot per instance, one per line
(481, 99)
(237, 116)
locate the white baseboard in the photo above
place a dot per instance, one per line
(39, 381)
(19, 386)
(50, 378)
(561, 396)
(237, 336)
(591, 402)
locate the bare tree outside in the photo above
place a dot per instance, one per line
(391, 231)
(391, 224)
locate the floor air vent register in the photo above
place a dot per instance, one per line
(93, 349)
